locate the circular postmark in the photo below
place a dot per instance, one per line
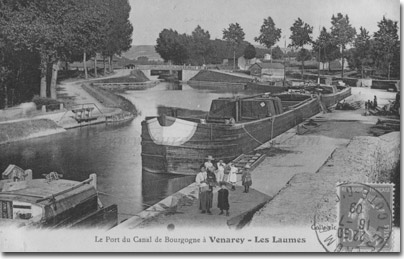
(362, 221)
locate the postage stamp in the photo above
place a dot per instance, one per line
(365, 215)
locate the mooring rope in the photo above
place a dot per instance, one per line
(248, 133)
(272, 132)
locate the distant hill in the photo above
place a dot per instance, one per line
(142, 50)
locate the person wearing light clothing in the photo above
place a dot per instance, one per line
(208, 164)
(220, 171)
(205, 194)
(233, 176)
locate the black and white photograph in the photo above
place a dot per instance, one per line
(200, 126)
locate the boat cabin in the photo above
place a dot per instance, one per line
(238, 109)
(49, 202)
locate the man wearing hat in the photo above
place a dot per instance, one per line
(246, 178)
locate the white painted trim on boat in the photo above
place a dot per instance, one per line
(176, 134)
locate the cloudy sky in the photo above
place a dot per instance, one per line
(150, 17)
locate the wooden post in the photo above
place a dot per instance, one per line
(95, 65)
(93, 182)
(55, 69)
(85, 65)
(237, 110)
(43, 85)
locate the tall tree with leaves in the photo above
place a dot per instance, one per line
(234, 36)
(173, 46)
(250, 52)
(387, 43)
(201, 44)
(325, 48)
(269, 34)
(301, 36)
(303, 55)
(277, 53)
(343, 33)
(43, 27)
(362, 53)
(117, 29)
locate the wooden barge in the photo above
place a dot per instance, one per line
(52, 202)
(233, 126)
(273, 87)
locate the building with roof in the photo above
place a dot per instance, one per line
(268, 71)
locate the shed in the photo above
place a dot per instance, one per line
(268, 70)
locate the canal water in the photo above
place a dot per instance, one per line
(113, 152)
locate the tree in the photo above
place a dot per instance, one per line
(234, 35)
(172, 46)
(250, 52)
(277, 53)
(325, 48)
(40, 34)
(116, 29)
(301, 36)
(269, 34)
(343, 33)
(303, 55)
(43, 27)
(362, 53)
(386, 43)
(201, 44)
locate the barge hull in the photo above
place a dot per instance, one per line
(223, 141)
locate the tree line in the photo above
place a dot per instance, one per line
(37, 37)
(378, 52)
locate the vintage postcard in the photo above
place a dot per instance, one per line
(200, 126)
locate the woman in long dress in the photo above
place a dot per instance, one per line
(205, 194)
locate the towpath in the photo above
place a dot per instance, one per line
(188, 214)
(73, 90)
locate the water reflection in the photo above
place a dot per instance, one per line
(155, 187)
(112, 151)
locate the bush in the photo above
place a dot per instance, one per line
(51, 104)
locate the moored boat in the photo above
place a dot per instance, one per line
(272, 87)
(52, 202)
(233, 126)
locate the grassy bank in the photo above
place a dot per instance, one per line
(110, 99)
(21, 130)
(211, 76)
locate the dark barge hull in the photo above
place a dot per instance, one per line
(262, 87)
(185, 152)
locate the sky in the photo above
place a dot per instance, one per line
(150, 17)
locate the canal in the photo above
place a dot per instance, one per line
(113, 152)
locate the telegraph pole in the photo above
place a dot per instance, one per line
(319, 59)
(284, 64)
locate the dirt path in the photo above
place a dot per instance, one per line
(72, 89)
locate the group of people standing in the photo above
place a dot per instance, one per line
(371, 105)
(219, 174)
